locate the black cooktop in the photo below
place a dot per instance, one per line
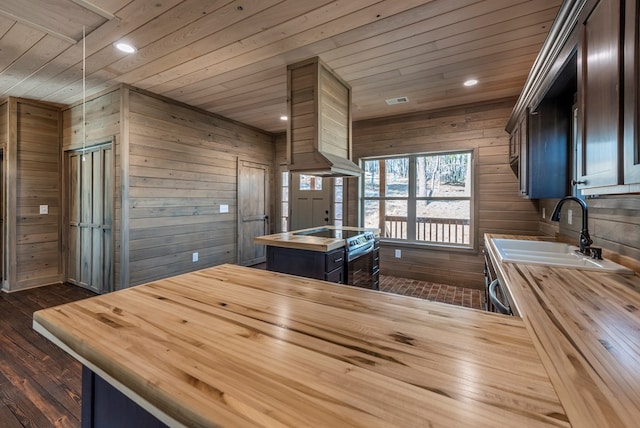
(330, 233)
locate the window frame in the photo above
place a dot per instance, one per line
(412, 200)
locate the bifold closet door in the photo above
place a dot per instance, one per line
(90, 218)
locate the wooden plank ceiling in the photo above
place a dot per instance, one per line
(230, 57)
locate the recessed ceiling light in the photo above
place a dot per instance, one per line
(283, 117)
(470, 82)
(125, 47)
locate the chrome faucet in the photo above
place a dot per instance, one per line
(585, 239)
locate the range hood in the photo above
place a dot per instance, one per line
(319, 125)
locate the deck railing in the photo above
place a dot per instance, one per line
(430, 229)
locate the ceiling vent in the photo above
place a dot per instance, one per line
(394, 101)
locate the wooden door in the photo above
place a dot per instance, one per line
(310, 201)
(253, 211)
(89, 190)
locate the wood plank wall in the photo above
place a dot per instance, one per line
(183, 166)
(500, 208)
(33, 160)
(103, 124)
(614, 224)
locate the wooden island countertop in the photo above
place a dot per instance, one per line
(586, 328)
(235, 346)
(307, 242)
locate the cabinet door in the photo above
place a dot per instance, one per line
(523, 162)
(599, 76)
(632, 95)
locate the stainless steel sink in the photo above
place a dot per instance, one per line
(552, 254)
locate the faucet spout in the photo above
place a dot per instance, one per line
(585, 239)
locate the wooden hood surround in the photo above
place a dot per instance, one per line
(319, 125)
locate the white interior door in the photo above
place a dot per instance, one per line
(310, 201)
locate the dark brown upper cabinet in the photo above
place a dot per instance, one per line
(632, 95)
(599, 69)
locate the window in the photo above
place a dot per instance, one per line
(421, 198)
(284, 197)
(310, 182)
(337, 201)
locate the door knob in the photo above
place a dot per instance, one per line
(574, 182)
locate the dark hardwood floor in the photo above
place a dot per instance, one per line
(39, 383)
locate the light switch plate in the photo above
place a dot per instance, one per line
(398, 254)
(44, 209)
(224, 208)
(194, 257)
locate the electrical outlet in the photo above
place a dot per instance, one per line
(544, 213)
(398, 254)
(570, 216)
(194, 257)
(224, 208)
(44, 209)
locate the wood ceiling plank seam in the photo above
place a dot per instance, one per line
(376, 110)
(222, 31)
(5, 25)
(432, 88)
(442, 37)
(225, 93)
(276, 62)
(434, 77)
(265, 101)
(429, 87)
(447, 71)
(95, 9)
(112, 6)
(471, 50)
(134, 14)
(252, 94)
(301, 39)
(542, 19)
(517, 47)
(109, 82)
(27, 66)
(205, 106)
(103, 58)
(212, 85)
(377, 37)
(396, 58)
(60, 18)
(263, 40)
(16, 42)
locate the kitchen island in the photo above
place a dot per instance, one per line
(235, 346)
(344, 255)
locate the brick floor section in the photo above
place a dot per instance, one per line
(461, 296)
(467, 297)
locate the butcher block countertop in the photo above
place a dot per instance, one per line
(234, 346)
(586, 328)
(306, 242)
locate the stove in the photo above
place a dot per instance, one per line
(330, 233)
(361, 251)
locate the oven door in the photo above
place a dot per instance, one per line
(361, 267)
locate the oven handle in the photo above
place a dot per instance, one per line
(362, 251)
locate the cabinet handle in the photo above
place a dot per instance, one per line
(574, 182)
(338, 260)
